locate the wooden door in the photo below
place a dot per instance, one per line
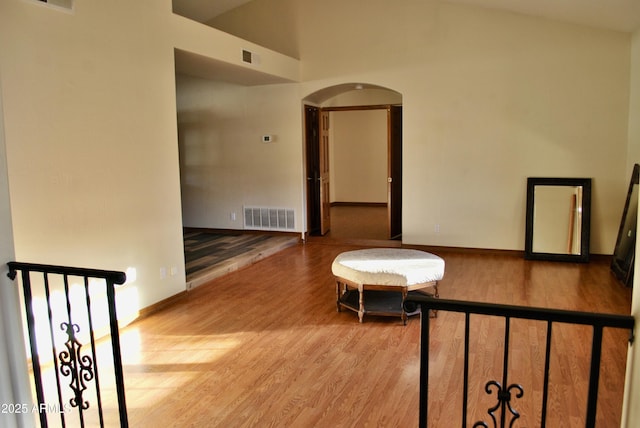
(394, 179)
(325, 201)
(312, 132)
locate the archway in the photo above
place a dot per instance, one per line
(373, 161)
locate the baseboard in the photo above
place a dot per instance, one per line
(596, 258)
(465, 250)
(151, 309)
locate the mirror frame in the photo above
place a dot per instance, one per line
(583, 257)
(626, 274)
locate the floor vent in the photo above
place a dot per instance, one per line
(263, 218)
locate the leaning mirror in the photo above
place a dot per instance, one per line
(558, 219)
(625, 249)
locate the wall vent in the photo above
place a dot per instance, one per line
(265, 218)
(247, 56)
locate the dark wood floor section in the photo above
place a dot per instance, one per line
(265, 346)
(209, 254)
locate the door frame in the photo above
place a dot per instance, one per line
(312, 168)
(394, 166)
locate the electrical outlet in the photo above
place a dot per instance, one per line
(163, 272)
(436, 228)
(233, 216)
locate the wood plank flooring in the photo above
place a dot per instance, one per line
(265, 346)
(361, 222)
(210, 254)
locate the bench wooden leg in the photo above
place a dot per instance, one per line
(403, 313)
(361, 303)
(435, 295)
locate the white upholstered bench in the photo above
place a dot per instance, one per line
(376, 281)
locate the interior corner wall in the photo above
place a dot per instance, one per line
(224, 165)
(15, 386)
(634, 104)
(275, 28)
(631, 412)
(358, 156)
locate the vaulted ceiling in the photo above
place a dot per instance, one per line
(618, 15)
(205, 10)
(621, 15)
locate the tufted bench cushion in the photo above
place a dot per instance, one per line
(388, 266)
(384, 269)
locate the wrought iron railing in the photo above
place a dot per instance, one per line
(64, 306)
(504, 414)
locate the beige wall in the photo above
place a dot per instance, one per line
(91, 135)
(224, 165)
(489, 99)
(634, 105)
(631, 411)
(91, 140)
(358, 156)
(13, 361)
(276, 24)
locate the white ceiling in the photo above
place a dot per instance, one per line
(619, 15)
(205, 10)
(204, 67)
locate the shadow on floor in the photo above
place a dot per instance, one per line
(211, 253)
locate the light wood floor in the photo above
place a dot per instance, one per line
(265, 346)
(210, 253)
(359, 222)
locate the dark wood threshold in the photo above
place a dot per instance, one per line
(359, 204)
(242, 232)
(362, 242)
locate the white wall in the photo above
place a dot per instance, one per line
(358, 155)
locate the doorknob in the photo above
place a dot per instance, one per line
(389, 180)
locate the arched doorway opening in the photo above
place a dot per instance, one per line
(353, 158)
